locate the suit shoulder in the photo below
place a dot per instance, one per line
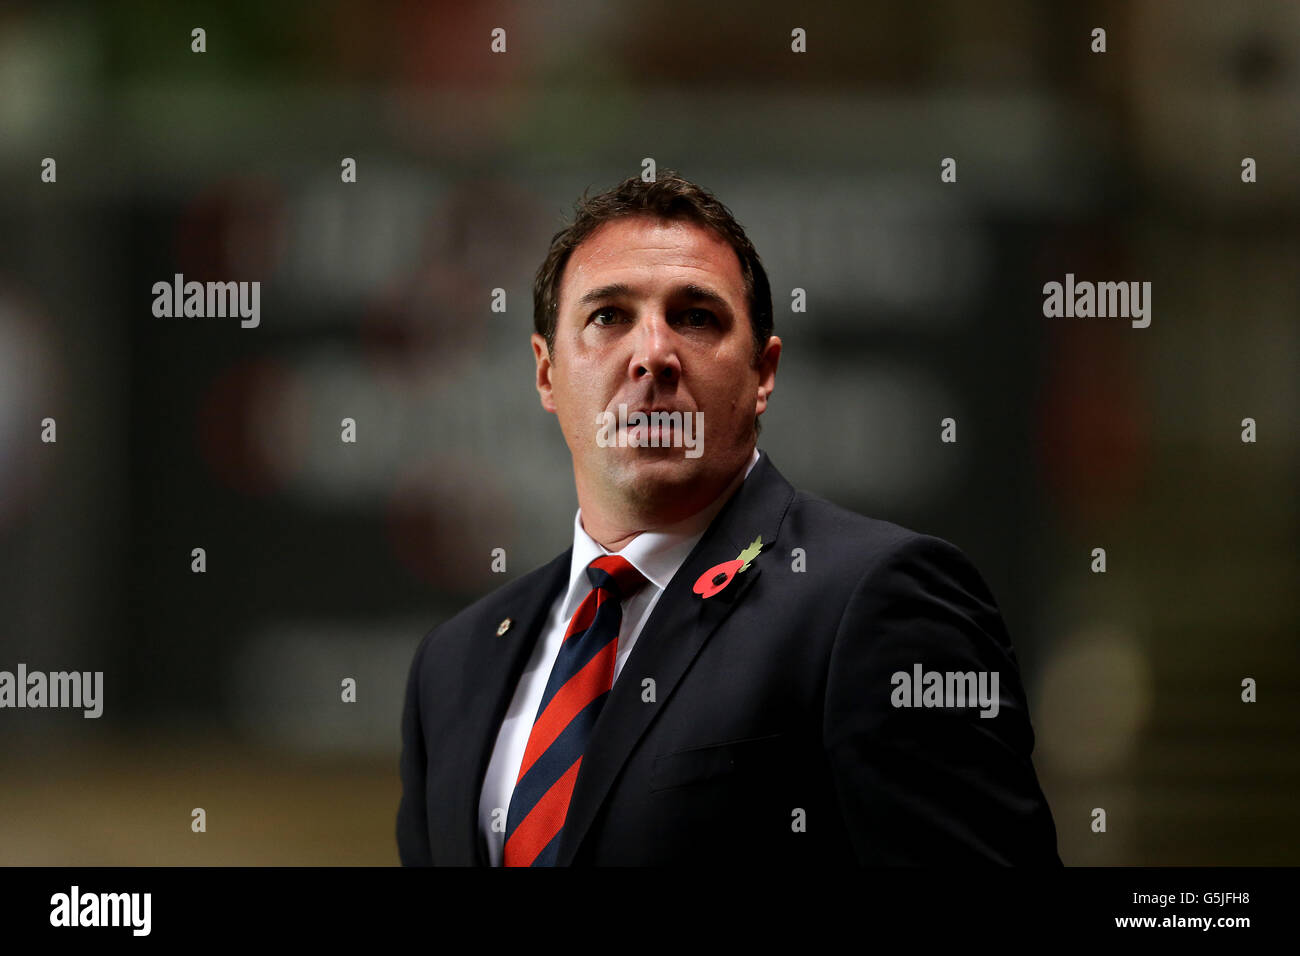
(856, 539)
(888, 558)
(862, 548)
(473, 618)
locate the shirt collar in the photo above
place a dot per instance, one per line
(656, 554)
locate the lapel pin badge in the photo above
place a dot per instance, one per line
(720, 575)
(503, 627)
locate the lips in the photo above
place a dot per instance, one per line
(650, 426)
(650, 411)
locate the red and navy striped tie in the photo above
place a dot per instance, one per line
(580, 681)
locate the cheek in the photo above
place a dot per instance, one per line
(576, 402)
(731, 390)
(591, 383)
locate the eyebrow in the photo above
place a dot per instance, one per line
(690, 291)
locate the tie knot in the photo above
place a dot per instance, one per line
(615, 573)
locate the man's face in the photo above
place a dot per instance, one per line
(652, 315)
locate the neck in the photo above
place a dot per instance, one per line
(614, 530)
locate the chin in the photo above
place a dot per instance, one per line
(652, 472)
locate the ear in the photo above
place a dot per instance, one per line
(767, 363)
(543, 358)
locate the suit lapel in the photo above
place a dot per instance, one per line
(494, 665)
(678, 628)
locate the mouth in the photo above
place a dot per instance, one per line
(659, 409)
(653, 427)
(650, 424)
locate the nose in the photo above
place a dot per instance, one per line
(654, 352)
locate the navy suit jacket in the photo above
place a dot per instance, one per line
(772, 735)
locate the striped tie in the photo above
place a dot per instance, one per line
(580, 681)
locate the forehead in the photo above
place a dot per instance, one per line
(652, 255)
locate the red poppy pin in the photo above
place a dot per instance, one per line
(720, 575)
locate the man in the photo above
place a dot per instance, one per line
(721, 669)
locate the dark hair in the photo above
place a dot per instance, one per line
(669, 197)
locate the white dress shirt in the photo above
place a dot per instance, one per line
(657, 555)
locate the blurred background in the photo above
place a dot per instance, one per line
(328, 560)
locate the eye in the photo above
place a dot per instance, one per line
(608, 312)
(698, 318)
